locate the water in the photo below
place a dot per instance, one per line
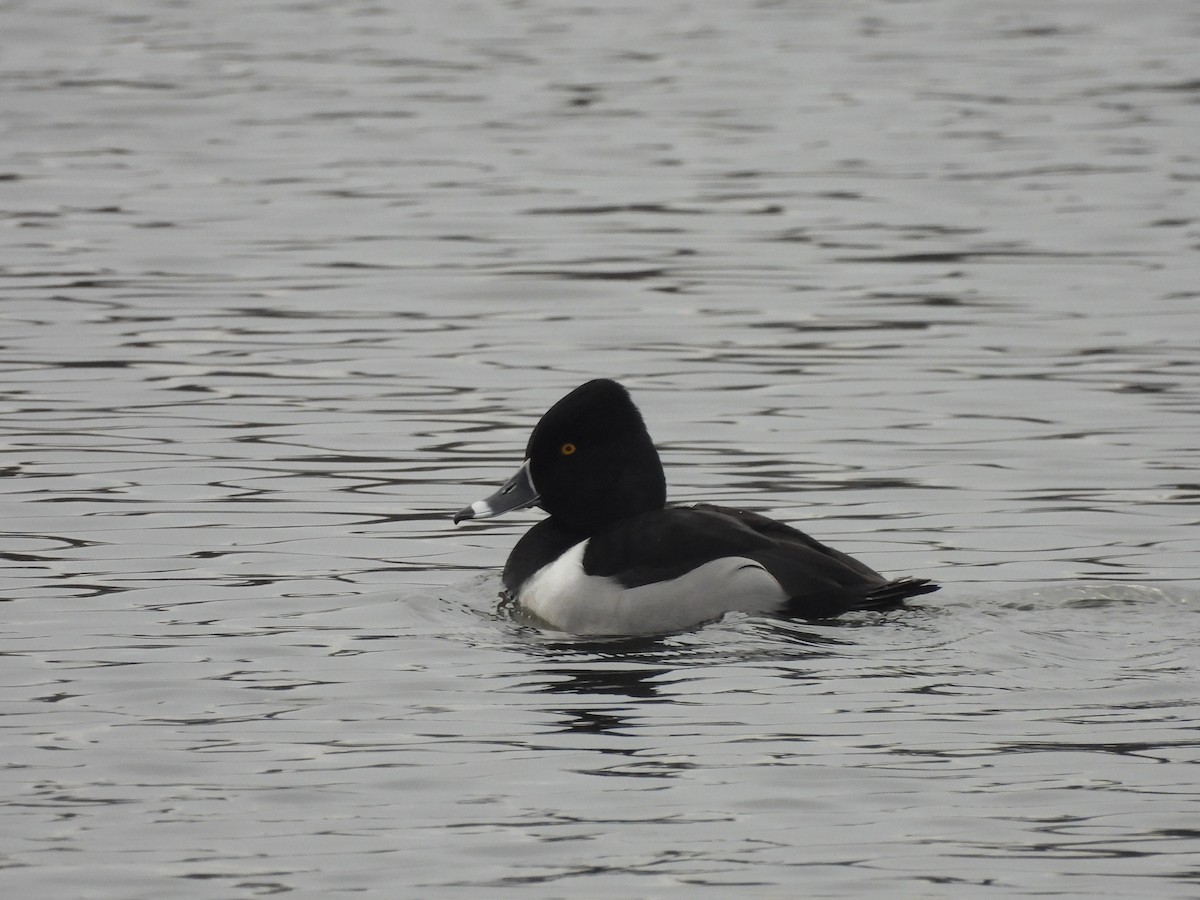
(284, 285)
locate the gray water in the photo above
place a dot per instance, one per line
(282, 285)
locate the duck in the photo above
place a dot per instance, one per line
(614, 559)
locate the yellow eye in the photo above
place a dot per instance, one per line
(567, 449)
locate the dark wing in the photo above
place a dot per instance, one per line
(665, 544)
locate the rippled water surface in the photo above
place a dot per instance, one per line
(282, 285)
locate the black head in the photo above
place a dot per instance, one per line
(592, 460)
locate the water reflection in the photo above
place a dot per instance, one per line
(611, 680)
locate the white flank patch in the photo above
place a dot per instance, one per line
(563, 597)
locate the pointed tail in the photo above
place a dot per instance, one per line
(896, 592)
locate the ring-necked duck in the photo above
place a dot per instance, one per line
(613, 559)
